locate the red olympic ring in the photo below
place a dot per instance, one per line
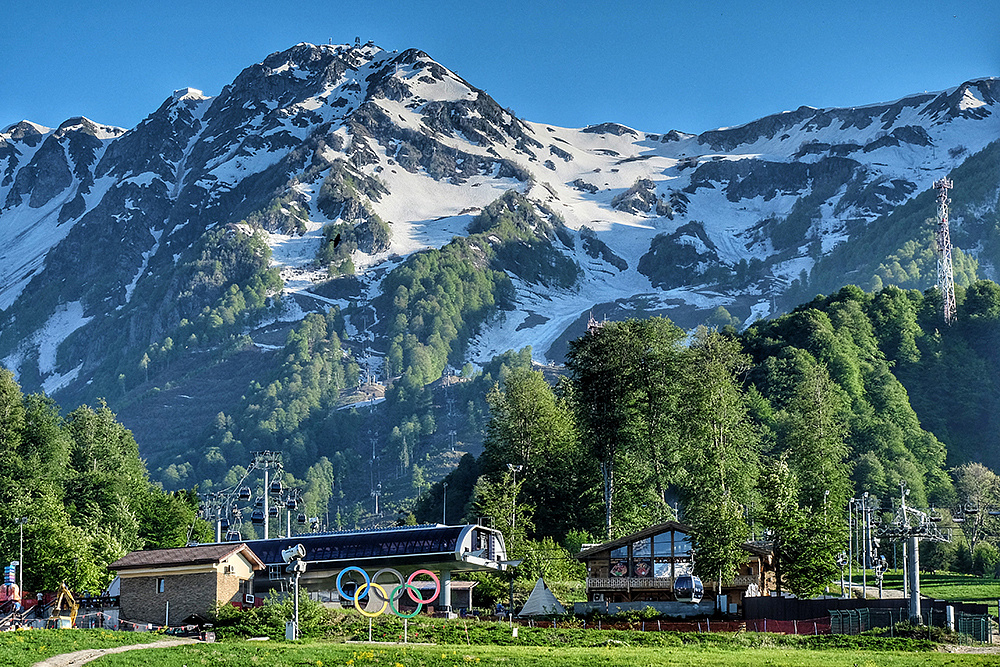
(417, 598)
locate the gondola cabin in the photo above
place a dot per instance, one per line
(688, 588)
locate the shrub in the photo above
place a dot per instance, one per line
(269, 619)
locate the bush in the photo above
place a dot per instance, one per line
(269, 619)
(985, 558)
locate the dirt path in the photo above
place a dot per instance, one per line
(85, 656)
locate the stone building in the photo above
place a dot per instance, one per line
(165, 586)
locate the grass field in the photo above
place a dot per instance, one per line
(319, 654)
(946, 586)
(26, 647)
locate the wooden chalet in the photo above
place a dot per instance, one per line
(643, 566)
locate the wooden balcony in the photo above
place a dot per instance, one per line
(627, 583)
(630, 583)
(743, 580)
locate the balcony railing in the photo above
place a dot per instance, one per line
(621, 583)
(625, 583)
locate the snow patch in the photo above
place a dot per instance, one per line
(64, 321)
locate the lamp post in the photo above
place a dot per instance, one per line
(513, 502)
(865, 557)
(509, 565)
(842, 561)
(444, 505)
(20, 563)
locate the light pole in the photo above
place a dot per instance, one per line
(20, 563)
(865, 559)
(444, 505)
(842, 561)
(513, 502)
(850, 547)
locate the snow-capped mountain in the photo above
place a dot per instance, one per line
(100, 226)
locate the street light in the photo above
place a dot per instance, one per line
(20, 563)
(509, 565)
(444, 505)
(513, 503)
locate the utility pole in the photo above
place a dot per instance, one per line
(20, 563)
(513, 503)
(444, 505)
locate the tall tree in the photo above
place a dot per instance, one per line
(531, 427)
(720, 451)
(625, 378)
(809, 534)
(978, 487)
(598, 363)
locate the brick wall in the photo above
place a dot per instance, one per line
(187, 593)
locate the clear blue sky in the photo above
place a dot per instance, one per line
(654, 65)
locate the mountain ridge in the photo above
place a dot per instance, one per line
(219, 221)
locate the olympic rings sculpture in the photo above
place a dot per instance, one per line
(389, 600)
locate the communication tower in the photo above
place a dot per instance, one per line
(945, 273)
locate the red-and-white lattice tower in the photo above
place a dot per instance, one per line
(945, 273)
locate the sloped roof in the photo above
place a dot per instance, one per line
(755, 549)
(628, 539)
(196, 555)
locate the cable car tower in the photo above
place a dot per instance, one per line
(945, 273)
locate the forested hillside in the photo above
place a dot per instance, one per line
(770, 429)
(80, 492)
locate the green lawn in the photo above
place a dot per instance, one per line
(949, 586)
(26, 647)
(319, 654)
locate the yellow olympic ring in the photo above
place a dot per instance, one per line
(357, 595)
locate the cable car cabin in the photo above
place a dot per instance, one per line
(291, 504)
(688, 588)
(257, 517)
(276, 487)
(234, 536)
(302, 519)
(223, 523)
(245, 494)
(273, 512)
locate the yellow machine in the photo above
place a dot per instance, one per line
(65, 596)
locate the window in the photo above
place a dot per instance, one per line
(160, 585)
(641, 548)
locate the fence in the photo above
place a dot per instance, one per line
(815, 626)
(856, 621)
(973, 628)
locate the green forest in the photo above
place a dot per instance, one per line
(768, 432)
(75, 488)
(743, 435)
